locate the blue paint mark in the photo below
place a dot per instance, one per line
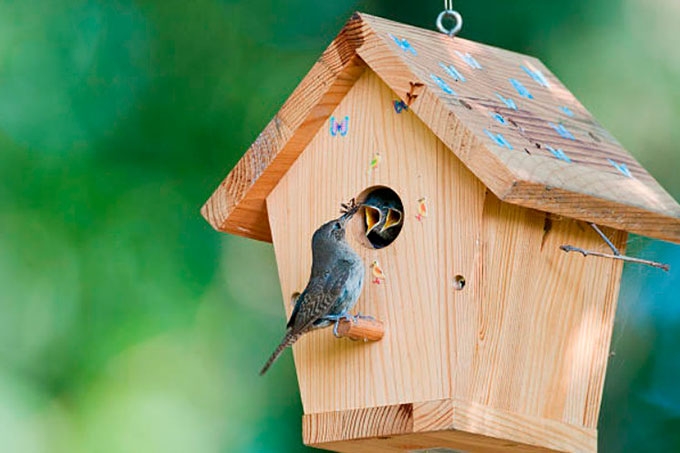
(400, 106)
(559, 154)
(404, 44)
(453, 72)
(537, 76)
(498, 139)
(509, 103)
(469, 59)
(521, 89)
(439, 81)
(623, 168)
(339, 127)
(498, 117)
(567, 111)
(564, 133)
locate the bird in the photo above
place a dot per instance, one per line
(335, 283)
(383, 217)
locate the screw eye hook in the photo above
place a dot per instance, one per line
(451, 15)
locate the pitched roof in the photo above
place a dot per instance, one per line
(535, 144)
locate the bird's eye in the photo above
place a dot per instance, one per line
(336, 226)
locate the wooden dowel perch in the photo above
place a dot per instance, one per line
(362, 329)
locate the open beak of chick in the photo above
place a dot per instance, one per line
(376, 218)
(372, 216)
(394, 218)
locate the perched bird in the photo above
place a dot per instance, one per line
(334, 285)
(383, 217)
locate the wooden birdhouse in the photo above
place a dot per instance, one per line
(495, 337)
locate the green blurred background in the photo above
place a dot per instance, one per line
(128, 325)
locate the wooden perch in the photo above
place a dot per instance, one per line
(363, 328)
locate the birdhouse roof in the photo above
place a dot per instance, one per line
(534, 144)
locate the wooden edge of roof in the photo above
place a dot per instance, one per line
(238, 205)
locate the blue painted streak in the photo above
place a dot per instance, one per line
(498, 139)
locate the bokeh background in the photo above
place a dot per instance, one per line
(128, 325)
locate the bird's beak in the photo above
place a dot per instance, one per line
(394, 218)
(343, 219)
(372, 215)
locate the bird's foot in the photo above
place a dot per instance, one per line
(360, 316)
(337, 318)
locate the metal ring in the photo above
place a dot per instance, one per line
(455, 15)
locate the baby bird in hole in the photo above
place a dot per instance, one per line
(335, 283)
(383, 217)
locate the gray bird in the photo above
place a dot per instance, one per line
(334, 285)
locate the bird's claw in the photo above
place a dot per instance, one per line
(354, 319)
(360, 316)
(336, 320)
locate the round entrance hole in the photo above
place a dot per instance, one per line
(381, 215)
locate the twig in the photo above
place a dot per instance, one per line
(571, 248)
(606, 239)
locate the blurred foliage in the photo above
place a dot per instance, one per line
(128, 325)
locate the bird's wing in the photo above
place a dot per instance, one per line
(319, 296)
(293, 316)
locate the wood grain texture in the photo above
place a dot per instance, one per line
(529, 334)
(601, 183)
(458, 441)
(357, 424)
(457, 425)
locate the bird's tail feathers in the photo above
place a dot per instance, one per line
(288, 340)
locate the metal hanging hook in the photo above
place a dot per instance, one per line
(450, 13)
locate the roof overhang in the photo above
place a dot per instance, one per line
(599, 182)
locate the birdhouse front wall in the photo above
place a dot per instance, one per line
(526, 338)
(335, 167)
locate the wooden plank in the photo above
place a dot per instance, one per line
(357, 424)
(422, 442)
(238, 205)
(460, 425)
(544, 328)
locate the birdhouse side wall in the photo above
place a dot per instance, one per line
(543, 329)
